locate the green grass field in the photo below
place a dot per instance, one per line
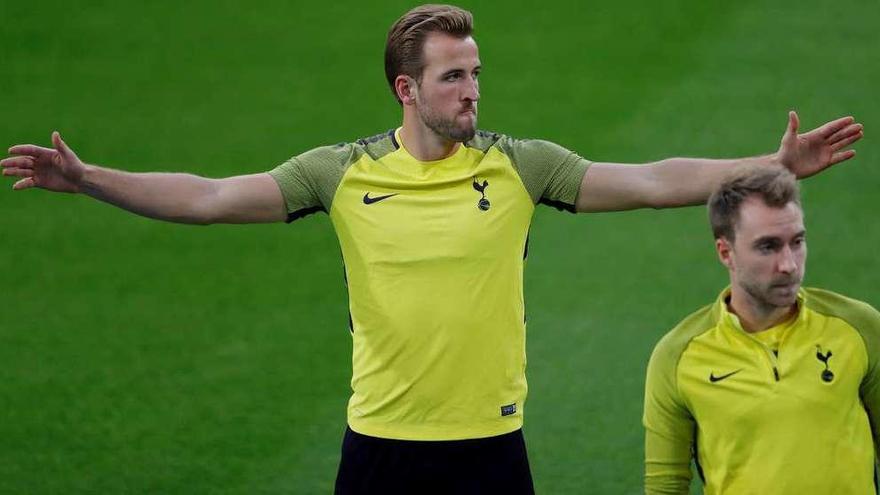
(145, 357)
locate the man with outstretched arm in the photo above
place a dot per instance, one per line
(426, 214)
(773, 388)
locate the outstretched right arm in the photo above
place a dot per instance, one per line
(181, 198)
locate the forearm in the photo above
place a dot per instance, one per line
(668, 183)
(667, 465)
(690, 181)
(172, 197)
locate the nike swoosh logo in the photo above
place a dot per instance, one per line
(713, 378)
(368, 200)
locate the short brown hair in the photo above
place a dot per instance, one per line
(776, 186)
(403, 48)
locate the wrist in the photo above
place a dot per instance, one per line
(85, 179)
(775, 159)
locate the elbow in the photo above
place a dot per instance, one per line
(201, 216)
(188, 218)
(667, 188)
(203, 209)
(662, 202)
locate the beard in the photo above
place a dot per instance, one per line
(447, 128)
(781, 293)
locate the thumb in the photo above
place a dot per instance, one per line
(62, 147)
(793, 123)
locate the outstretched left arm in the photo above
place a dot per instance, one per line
(689, 181)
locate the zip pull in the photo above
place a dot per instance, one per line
(776, 373)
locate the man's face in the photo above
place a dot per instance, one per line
(446, 98)
(767, 257)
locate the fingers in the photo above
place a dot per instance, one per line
(845, 133)
(18, 162)
(18, 172)
(831, 127)
(843, 143)
(24, 184)
(842, 156)
(30, 149)
(39, 151)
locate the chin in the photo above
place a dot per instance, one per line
(463, 134)
(784, 299)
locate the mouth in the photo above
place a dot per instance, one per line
(785, 287)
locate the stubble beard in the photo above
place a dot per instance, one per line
(765, 300)
(447, 128)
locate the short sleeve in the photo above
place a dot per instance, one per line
(551, 174)
(669, 427)
(309, 181)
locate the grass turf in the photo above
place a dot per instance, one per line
(139, 356)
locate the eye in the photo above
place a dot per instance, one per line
(766, 247)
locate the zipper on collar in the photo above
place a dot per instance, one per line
(772, 356)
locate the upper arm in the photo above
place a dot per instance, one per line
(615, 187)
(669, 428)
(252, 198)
(550, 173)
(308, 181)
(871, 400)
(870, 387)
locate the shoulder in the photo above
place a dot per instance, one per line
(669, 349)
(519, 150)
(376, 146)
(483, 140)
(324, 156)
(341, 155)
(859, 314)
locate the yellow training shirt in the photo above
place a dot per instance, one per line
(757, 420)
(434, 255)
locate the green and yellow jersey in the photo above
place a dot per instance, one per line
(434, 256)
(791, 410)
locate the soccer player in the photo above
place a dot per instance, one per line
(432, 218)
(773, 388)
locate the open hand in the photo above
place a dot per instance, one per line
(810, 153)
(57, 169)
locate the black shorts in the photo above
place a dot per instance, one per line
(371, 465)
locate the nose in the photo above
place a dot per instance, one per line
(786, 262)
(472, 90)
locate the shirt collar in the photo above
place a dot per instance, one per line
(730, 321)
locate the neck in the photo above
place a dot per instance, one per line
(423, 143)
(754, 316)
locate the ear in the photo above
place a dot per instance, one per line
(725, 252)
(406, 89)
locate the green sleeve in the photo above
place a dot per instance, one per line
(669, 426)
(870, 388)
(551, 174)
(309, 181)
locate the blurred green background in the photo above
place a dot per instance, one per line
(144, 357)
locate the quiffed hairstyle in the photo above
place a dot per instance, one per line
(776, 186)
(403, 48)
